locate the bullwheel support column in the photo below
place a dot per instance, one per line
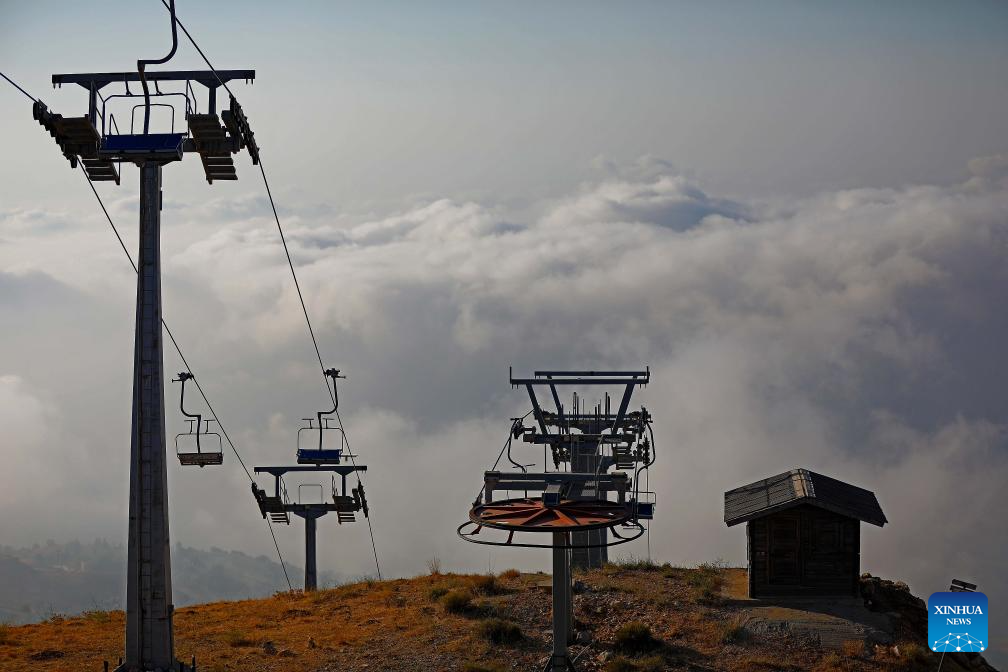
(563, 612)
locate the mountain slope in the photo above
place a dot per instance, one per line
(692, 619)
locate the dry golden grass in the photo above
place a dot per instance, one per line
(477, 667)
(405, 625)
(624, 664)
(853, 648)
(487, 584)
(230, 635)
(764, 663)
(834, 661)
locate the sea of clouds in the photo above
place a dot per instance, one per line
(857, 333)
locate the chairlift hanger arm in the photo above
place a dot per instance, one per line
(334, 374)
(182, 378)
(144, 62)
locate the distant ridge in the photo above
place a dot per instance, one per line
(42, 580)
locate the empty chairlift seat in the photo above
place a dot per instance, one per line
(201, 458)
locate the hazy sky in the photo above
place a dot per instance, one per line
(795, 213)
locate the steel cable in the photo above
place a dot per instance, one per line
(290, 262)
(171, 336)
(178, 349)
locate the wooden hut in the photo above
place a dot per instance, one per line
(803, 533)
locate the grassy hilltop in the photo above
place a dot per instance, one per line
(636, 617)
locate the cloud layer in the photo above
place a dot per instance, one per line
(858, 333)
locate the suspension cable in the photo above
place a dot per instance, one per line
(171, 336)
(16, 86)
(318, 353)
(297, 286)
(191, 40)
(178, 349)
(505, 448)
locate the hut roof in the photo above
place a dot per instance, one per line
(801, 486)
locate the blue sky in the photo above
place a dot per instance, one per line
(514, 100)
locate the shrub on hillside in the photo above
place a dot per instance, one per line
(634, 562)
(457, 601)
(500, 631)
(634, 638)
(835, 662)
(733, 632)
(487, 584)
(705, 583)
(97, 616)
(915, 657)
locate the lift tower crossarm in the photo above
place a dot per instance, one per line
(279, 509)
(342, 469)
(634, 380)
(207, 78)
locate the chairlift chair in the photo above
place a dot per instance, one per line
(203, 455)
(323, 455)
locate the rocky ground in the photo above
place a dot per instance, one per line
(631, 617)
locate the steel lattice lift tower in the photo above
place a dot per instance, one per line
(95, 141)
(586, 499)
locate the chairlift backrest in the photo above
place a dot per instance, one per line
(323, 452)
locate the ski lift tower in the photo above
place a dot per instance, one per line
(588, 496)
(588, 440)
(323, 457)
(279, 506)
(96, 141)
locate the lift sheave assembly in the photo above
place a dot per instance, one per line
(588, 503)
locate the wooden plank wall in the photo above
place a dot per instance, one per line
(803, 551)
